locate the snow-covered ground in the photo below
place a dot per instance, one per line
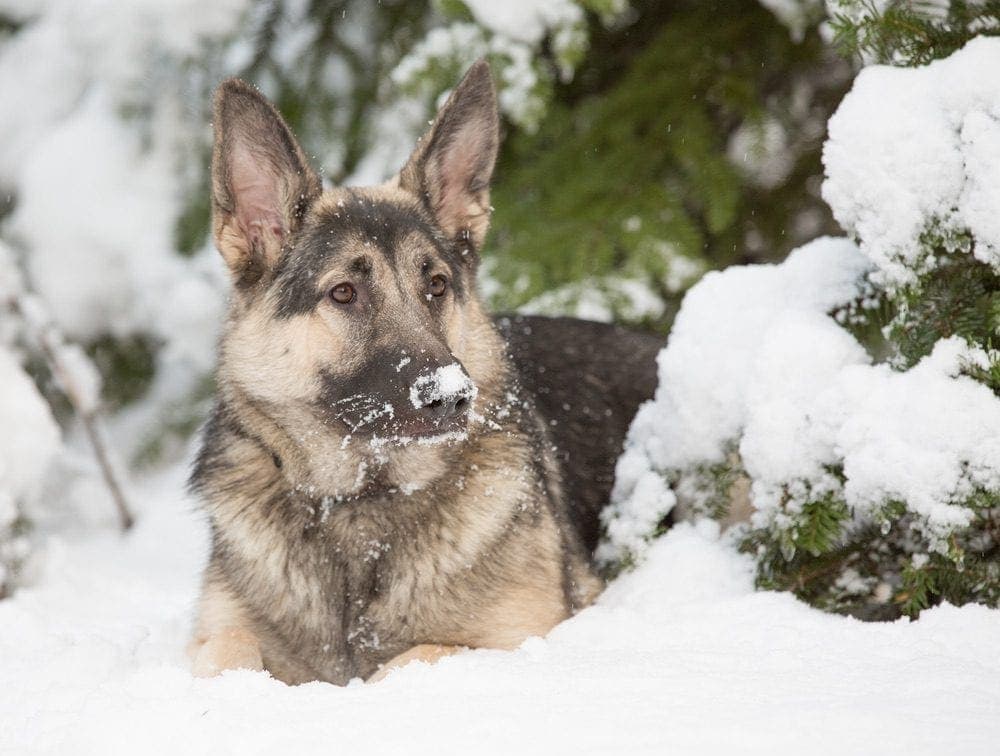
(680, 656)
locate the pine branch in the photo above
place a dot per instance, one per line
(907, 33)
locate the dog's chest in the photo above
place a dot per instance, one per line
(375, 579)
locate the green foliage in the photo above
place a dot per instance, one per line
(819, 527)
(879, 572)
(177, 423)
(619, 170)
(890, 567)
(890, 564)
(928, 581)
(132, 362)
(960, 298)
(318, 112)
(629, 174)
(908, 32)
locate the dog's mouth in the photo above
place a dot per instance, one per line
(406, 439)
(379, 422)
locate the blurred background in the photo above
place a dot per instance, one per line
(645, 143)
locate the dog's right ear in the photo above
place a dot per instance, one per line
(261, 182)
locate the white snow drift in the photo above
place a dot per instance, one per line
(915, 151)
(681, 656)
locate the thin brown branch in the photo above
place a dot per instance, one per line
(88, 416)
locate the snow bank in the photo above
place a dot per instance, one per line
(712, 366)
(915, 153)
(680, 656)
(756, 364)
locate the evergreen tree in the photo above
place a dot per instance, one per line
(958, 294)
(933, 285)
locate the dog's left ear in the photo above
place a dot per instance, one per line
(451, 168)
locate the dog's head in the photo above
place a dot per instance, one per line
(355, 311)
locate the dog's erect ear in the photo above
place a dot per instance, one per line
(261, 181)
(451, 168)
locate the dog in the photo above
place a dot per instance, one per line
(389, 473)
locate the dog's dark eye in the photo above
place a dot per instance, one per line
(343, 293)
(439, 285)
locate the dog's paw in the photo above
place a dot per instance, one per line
(231, 649)
(426, 652)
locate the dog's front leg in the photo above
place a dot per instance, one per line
(228, 648)
(425, 652)
(223, 638)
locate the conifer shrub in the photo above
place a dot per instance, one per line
(850, 395)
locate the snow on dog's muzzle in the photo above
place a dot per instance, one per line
(444, 393)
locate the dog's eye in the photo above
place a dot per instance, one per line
(343, 293)
(439, 284)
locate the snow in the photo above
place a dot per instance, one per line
(511, 32)
(445, 382)
(756, 364)
(78, 377)
(604, 299)
(680, 655)
(762, 152)
(915, 152)
(456, 47)
(29, 441)
(29, 437)
(525, 20)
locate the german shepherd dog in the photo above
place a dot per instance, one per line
(389, 473)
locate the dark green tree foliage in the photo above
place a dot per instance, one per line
(884, 570)
(629, 170)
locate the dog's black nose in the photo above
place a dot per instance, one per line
(444, 393)
(441, 409)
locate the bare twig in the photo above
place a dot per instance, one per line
(44, 332)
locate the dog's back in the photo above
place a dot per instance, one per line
(588, 379)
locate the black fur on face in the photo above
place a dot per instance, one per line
(378, 400)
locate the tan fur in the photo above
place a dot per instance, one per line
(223, 638)
(256, 183)
(463, 544)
